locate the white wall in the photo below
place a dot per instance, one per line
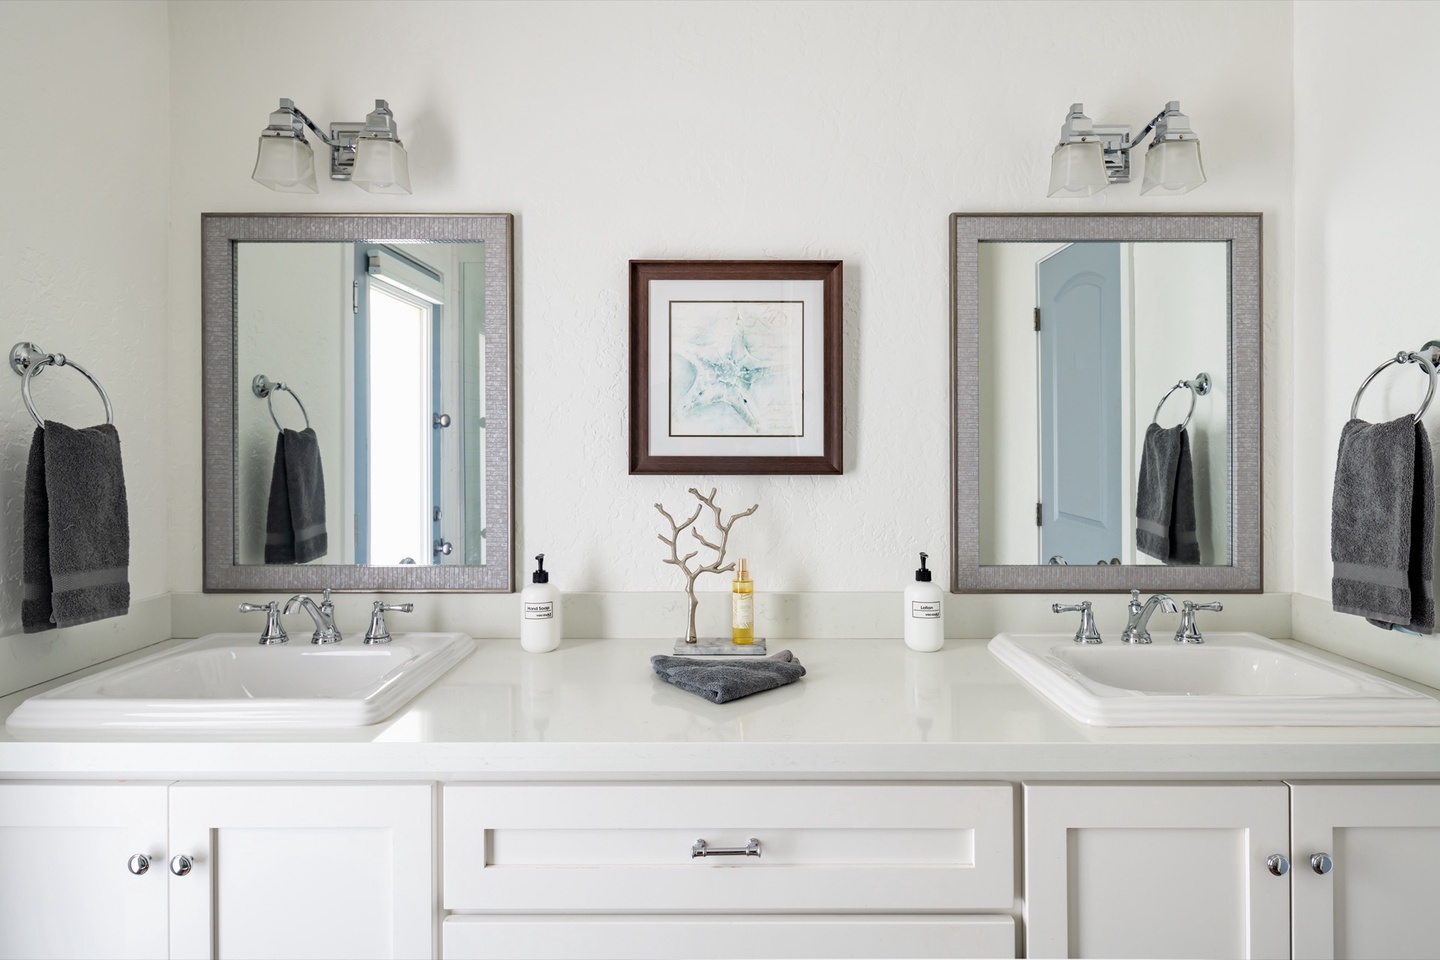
(735, 129)
(1367, 205)
(83, 271)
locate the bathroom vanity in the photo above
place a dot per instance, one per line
(891, 804)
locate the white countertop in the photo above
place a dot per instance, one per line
(595, 710)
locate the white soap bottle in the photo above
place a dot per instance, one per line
(540, 612)
(924, 612)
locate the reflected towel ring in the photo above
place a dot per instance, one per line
(27, 360)
(1403, 356)
(1199, 387)
(265, 389)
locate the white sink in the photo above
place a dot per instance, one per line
(228, 680)
(1232, 679)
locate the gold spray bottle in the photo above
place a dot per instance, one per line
(742, 605)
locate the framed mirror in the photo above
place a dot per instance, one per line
(357, 398)
(1106, 403)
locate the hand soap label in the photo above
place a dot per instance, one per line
(925, 610)
(540, 611)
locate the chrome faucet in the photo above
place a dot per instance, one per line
(1189, 631)
(1136, 628)
(273, 632)
(378, 632)
(322, 614)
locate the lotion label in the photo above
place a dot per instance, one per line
(742, 610)
(540, 611)
(925, 609)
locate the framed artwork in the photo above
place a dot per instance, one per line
(735, 366)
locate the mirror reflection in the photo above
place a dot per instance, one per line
(360, 407)
(1091, 356)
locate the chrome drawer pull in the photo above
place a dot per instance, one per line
(702, 849)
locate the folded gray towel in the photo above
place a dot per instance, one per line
(1382, 518)
(722, 680)
(1165, 497)
(295, 521)
(77, 528)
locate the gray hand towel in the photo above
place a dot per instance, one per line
(722, 680)
(77, 528)
(1165, 497)
(1382, 518)
(295, 520)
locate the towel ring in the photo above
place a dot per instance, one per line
(1199, 387)
(265, 388)
(1403, 356)
(27, 360)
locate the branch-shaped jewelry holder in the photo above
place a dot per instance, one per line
(691, 644)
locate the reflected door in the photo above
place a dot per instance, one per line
(1078, 297)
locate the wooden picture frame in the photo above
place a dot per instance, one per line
(736, 366)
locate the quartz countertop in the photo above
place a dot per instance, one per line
(595, 710)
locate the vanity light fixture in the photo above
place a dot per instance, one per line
(1091, 156)
(369, 154)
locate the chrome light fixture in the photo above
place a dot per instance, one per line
(1091, 156)
(369, 155)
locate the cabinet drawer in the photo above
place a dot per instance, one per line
(545, 848)
(641, 938)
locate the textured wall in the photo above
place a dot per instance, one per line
(1365, 263)
(796, 130)
(83, 264)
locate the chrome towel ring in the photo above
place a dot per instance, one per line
(1404, 356)
(1199, 387)
(27, 360)
(265, 389)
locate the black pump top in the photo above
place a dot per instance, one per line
(923, 574)
(541, 575)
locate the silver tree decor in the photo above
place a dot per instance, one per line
(714, 566)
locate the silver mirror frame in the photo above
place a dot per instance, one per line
(219, 234)
(1243, 231)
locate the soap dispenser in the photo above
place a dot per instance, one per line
(924, 612)
(540, 611)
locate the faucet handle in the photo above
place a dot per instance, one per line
(273, 632)
(378, 632)
(1086, 632)
(1189, 631)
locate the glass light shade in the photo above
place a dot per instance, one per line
(381, 166)
(285, 164)
(1173, 167)
(1078, 169)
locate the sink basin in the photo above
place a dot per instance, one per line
(1232, 679)
(227, 680)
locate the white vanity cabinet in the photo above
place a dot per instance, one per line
(931, 867)
(1374, 893)
(235, 870)
(1185, 870)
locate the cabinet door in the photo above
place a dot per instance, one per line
(1156, 870)
(303, 871)
(1379, 897)
(66, 887)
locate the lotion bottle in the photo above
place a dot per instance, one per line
(742, 606)
(540, 612)
(924, 612)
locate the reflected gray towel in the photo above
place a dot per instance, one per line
(77, 528)
(1165, 497)
(722, 680)
(295, 521)
(1382, 518)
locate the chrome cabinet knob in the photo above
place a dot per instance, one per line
(181, 865)
(1321, 863)
(138, 864)
(1278, 864)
